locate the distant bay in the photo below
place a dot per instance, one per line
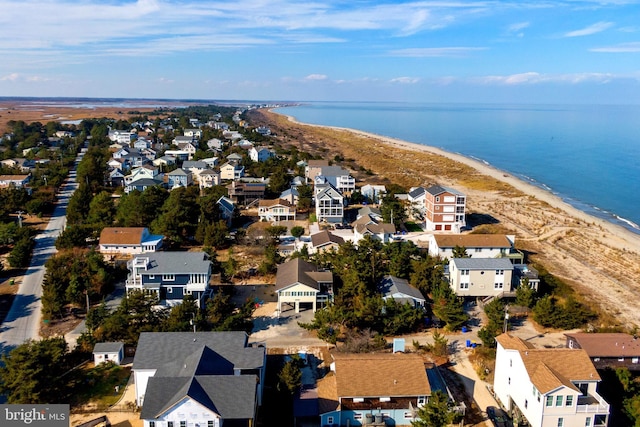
(589, 155)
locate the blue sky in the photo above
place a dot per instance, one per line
(557, 51)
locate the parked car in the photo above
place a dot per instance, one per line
(498, 417)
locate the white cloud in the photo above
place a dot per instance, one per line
(316, 77)
(426, 52)
(632, 47)
(598, 27)
(536, 78)
(10, 77)
(519, 26)
(405, 80)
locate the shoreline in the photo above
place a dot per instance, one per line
(485, 168)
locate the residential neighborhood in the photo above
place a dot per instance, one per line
(213, 275)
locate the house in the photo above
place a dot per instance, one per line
(231, 171)
(180, 155)
(300, 285)
(24, 165)
(188, 147)
(370, 214)
(182, 139)
(329, 204)
(198, 379)
(373, 192)
(608, 350)
(122, 136)
(108, 352)
(246, 192)
(116, 178)
(476, 246)
(142, 184)
(179, 178)
(170, 276)
(379, 389)
(444, 209)
(142, 143)
(234, 158)
(312, 168)
(417, 199)
(227, 208)
(276, 210)
(149, 172)
(325, 241)
(128, 241)
(16, 181)
(193, 133)
(339, 177)
(291, 195)
(383, 231)
(211, 162)
(208, 178)
(391, 287)
(165, 161)
(481, 277)
(215, 144)
(261, 154)
(548, 386)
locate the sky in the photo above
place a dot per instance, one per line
(524, 51)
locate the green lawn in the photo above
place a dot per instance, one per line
(98, 384)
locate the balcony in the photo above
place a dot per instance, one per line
(594, 404)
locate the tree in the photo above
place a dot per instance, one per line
(20, 255)
(392, 209)
(290, 376)
(460, 252)
(525, 295)
(101, 211)
(436, 412)
(297, 231)
(305, 197)
(31, 373)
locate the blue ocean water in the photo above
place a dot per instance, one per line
(589, 155)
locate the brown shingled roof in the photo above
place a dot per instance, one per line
(327, 393)
(121, 235)
(324, 237)
(374, 375)
(608, 344)
(472, 240)
(273, 202)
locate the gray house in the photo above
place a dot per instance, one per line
(170, 275)
(204, 378)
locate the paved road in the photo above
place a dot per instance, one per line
(23, 320)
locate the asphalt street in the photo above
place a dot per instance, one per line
(24, 318)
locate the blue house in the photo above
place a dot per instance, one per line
(179, 178)
(373, 389)
(170, 276)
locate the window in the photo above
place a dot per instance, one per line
(558, 400)
(422, 400)
(329, 420)
(587, 422)
(358, 399)
(169, 277)
(357, 416)
(152, 424)
(408, 416)
(464, 272)
(385, 399)
(509, 380)
(183, 424)
(568, 401)
(526, 404)
(152, 276)
(584, 388)
(549, 401)
(633, 360)
(169, 290)
(210, 423)
(169, 423)
(498, 285)
(499, 272)
(560, 422)
(464, 285)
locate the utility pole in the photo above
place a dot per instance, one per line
(20, 218)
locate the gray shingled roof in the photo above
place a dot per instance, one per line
(482, 263)
(108, 347)
(437, 189)
(416, 192)
(169, 352)
(232, 397)
(177, 263)
(390, 285)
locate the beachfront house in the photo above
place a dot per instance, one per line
(476, 246)
(608, 350)
(337, 176)
(548, 387)
(444, 209)
(207, 379)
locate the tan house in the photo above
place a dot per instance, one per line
(325, 241)
(480, 277)
(276, 210)
(300, 285)
(231, 171)
(128, 241)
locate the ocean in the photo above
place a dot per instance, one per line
(588, 155)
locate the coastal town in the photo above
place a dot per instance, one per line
(216, 265)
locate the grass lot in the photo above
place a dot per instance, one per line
(99, 385)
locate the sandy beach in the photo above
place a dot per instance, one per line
(599, 259)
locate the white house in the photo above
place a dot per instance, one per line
(548, 387)
(373, 192)
(300, 285)
(276, 210)
(339, 177)
(108, 352)
(128, 241)
(210, 379)
(208, 178)
(329, 204)
(476, 245)
(480, 277)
